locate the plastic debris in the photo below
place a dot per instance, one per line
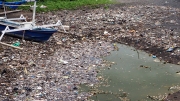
(154, 56)
(42, 6)
(63, 61)
(25, 70)
(17, 44)
(178, 72)
(106, 33)
(59, 90)
(66, 77)
(157, 60)
(170, 49)
(178, 63)
(83, 47)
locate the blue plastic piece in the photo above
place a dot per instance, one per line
(170, 49)
(154, 56)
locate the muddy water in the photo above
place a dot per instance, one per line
(138, 77)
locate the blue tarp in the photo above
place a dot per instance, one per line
(12, 3)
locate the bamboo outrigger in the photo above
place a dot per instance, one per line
(26, 30)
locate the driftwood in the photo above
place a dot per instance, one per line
(11, 46)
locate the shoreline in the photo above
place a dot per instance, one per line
(156, 51)
(40, 71)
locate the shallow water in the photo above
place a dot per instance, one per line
(128, 76)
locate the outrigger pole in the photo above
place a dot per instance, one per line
(4, 10)
(34, 12)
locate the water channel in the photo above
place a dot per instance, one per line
(138, 77)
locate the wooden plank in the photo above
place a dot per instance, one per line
(11, 45)
(10, 12)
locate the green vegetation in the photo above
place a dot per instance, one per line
(53, 5)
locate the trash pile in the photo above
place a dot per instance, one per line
(154, 29)
(50, 71)
(54, 70)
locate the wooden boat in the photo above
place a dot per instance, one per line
(27, 30)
